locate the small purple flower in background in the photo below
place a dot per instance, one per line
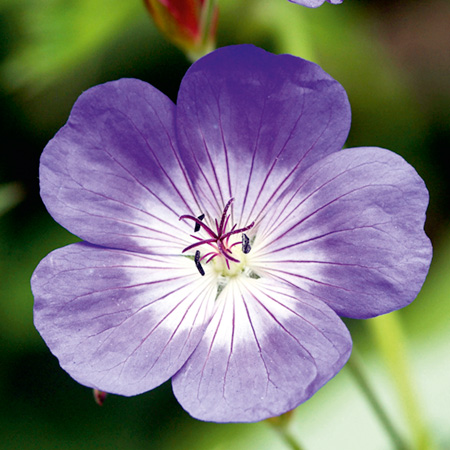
(315, 3)
(223, 236)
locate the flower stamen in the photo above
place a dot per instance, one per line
(200, 224)
(219, 239)
(197, 226)
(198, 264)
(224, 216)
(201, 242)
(246, 247)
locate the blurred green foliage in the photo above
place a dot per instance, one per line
(52, 50)
(56, 35)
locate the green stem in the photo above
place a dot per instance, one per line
(281, 426)
(354, 365)
(290, 440)
(390, 339)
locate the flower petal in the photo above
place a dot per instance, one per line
(350, 231)
(114, 167)
(118, 321)
(315, 3)
(266, 350)
(248, 119)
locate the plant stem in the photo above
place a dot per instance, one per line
(391, 342)
(354, 364)
(290, 440)
(280, 424)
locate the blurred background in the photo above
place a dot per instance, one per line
(392, 57)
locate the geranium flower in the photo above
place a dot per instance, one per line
(223, 236)
(315, 3)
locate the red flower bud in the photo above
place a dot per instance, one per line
(189, 24)
(99, 396)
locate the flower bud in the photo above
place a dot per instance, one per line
(99, 396)
(189, 24)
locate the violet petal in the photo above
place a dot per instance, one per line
(315, 3)
(350, 231)
(118, 321)
(266, 350)
(111, 175)
(247, 120)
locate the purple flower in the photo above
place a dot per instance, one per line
(315, 3)
(222, 236)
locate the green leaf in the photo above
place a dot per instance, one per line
(57, 35)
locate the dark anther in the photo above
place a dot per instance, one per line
(197, 263)
(246, 247)
(197, 226)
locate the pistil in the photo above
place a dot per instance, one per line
(219, 239)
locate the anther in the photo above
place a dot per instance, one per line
(219, 240)
(246, 247)
(198, 264)
(197, 226)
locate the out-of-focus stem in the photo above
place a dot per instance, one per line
(281, 425)
(354, 364)
(390, 339)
